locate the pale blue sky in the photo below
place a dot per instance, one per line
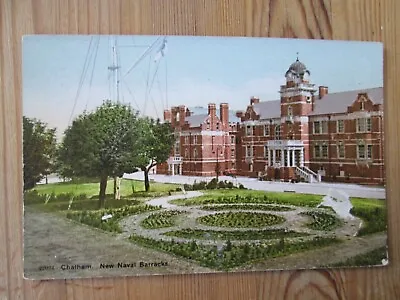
(200, 70)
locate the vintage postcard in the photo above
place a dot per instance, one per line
(147, 155)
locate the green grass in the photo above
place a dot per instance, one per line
(370, 258)
(89, 204)
(267, 234)
(241, 219)
(373, 213)
(251, 196)
(93, 218)
(92, 188)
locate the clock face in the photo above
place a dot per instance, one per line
(306, 76)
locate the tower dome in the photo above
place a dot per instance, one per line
(298, 69)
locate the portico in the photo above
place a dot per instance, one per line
(175, 165)
(285, 153)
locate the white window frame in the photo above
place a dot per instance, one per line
(278, 132)
(364, 125)
(339, 146)
(249, 151)
(340, 129)
(266, 130)
(317, 151)
(324, 146)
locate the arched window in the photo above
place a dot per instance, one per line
(278, 132)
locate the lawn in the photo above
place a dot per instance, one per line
(372, 212)
(92, 188)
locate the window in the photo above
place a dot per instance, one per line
(186, 140)
(290, 111)
(195, 139)
(194, 153)
(278, 132)
(266, 152)
(364, 151)
(364, 125)
(232, 152)
(217, 125)
(249, 151)
(362, 106)
(325, 151)
(266, 130)
(369, 151)
(317, 151)
(186, 152)
(248, 130)
(232, 139)
(340, 150)
(208, 124)
(308, 99)
(177, 148)
(254, 130)
(361, 151)
(317, 127)
(320, 127)
(340, 126)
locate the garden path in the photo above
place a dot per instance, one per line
(51, 240)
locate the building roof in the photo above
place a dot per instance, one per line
(298, 68)
(338, 102)
(199, 114)
(268, 109)
(196, 120)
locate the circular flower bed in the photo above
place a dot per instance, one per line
(241, 219)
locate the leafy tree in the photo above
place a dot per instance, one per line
(155, 141)
(101, 144)
(39, 145)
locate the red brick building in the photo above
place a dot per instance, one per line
(308, 133)
(205, 141)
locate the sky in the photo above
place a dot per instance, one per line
(64, 75)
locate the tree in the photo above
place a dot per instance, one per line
(39, 144)
(155, 141)
(101, 144)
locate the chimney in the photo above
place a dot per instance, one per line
(254, 100)
(224, 113)
(212, 109)
(182, 114)
(322, 91)
(239, 114)
(167, 115)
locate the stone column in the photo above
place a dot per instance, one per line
(173, 169)
(273, 157)
(288, 157)
(282, 157)
(302, 157)
(269, 157)
(293, 158)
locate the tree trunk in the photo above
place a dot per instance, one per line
(102, 193)
(146, 180)
(115, 188)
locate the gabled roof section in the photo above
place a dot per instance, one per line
(268, 109)
(338, 102)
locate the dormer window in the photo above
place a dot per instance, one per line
(362, 106)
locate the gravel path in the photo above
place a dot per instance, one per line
(52, 242)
